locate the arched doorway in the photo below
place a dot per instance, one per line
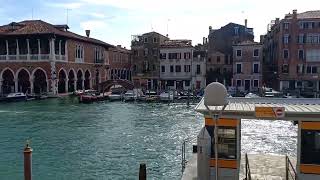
(62, 81)
(39, 82)
(8, 82)
(79, 79)
(23, 81)
(87, 77)
(71, 82)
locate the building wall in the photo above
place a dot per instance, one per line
(247, 61)
(120, 61)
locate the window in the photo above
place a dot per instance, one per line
(313, 55)
(301, 25)
(285, 53)
(198, 69)
(239, 83)
(239, 53)
(314, 70)
(286, 25)
(154, 40)
(255, 68)
(301, 38)
(256, 53)
(227, 144)
(209, 59)
(187, 55)
(255, 83)
(163, 56)
(285, 68)
(173, 56)
(300, 54)
(308, 69)
(218, 59)
(286, 38)
(98, 55)
(187, 82)
(145, 52)
(145, 40)
(187, 68)
(236, 31)
(310, 146)
(238, 68)
(300, 68)
(178, 68)
(171, 68)
(79, 53)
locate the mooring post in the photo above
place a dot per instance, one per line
(143, 172)
(27, 162)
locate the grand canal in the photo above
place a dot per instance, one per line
(109, 140)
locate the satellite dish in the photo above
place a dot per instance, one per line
(215, 94)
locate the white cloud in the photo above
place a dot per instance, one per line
(73, 5)
(98, 15)
(93, 25)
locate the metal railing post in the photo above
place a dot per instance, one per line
(287, 168)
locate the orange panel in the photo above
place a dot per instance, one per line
(310, 125)
(222, 122)
(310, 169)
(223, 163)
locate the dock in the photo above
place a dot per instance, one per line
(262, 166)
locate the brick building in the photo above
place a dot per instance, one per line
(247, 71)
(38, 57)
(145, 58)
(292, 53)
(120, 63)
(220, 52)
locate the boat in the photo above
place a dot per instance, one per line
(14, 97)
(87, 98)
(114, 97)
(251, 95)
(166, 96)
(150, 96)
(130, 95)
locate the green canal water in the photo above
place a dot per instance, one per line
(109, 140)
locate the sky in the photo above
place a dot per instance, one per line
(114, 21)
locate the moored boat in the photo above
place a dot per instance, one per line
(13, 97)
(130, 95)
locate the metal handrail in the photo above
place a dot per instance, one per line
(248, 171)
(183, 156)
(290, 170)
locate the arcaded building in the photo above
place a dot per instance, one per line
(38, 57)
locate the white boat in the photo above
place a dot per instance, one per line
(251, 95)
(114, 97)
(130, 95)
(16, 97)
(166, 96)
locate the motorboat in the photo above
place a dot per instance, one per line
(150, 96)
(166, 96)
(115, 97)
(130, 95)
(13, 97)
(251, 95)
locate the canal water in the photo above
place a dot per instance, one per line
(109, 140)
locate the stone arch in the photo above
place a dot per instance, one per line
(8, 84)
(62, 84)
(87, 79)
(40, 80)
(80, 79)
(23, 78)
(71, 80)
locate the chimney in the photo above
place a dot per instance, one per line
(210, 29)
(246, 23)
(88, 33)
(204, 41)
(294, 12)
(119, 46)
(277, 21)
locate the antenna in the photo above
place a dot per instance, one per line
(68, 16)
(32, 14)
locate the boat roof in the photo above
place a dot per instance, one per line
(298, 109)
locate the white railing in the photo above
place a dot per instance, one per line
(25, 57)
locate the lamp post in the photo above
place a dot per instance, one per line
(215, 94)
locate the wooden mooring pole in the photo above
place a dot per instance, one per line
(143, 172)
(27, 162)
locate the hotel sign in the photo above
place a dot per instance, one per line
(270, 112)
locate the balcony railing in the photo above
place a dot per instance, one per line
(31, 57)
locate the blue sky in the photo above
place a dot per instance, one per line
(114, 21)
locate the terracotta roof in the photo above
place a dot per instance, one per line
(30, 27)
(176, 43)
(309, 14)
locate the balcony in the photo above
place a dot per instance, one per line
(30, 57)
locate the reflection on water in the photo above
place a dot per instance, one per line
(108, 140)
